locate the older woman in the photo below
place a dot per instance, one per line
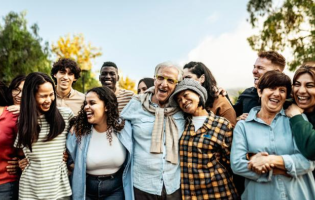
(304, 96)
(204, 146)
(278, 170)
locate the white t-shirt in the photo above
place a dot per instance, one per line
(103, 158)
(198, 121)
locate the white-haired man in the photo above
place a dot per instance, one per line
(156, 129)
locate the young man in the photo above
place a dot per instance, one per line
(109, 78)
(65, 73)
(266, 61)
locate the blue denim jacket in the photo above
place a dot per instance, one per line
(78, 153)
(252, 136)
(151, 170)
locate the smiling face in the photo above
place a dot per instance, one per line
(95, 109)
(17, 94)
(188, 101)
(261, 66)
(165, 85)
(304, 92)
(109, 77)
(65, 79)
(142, 87)
(189, 74)
(44, 97)
(272, 99)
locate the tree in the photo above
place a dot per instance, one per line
(20, 49)
(290, 26)
(127, 83)
(76, 49)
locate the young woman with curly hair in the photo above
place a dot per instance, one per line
(101, 149)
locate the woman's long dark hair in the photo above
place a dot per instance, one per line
(28, 125)
(80, 123)
(149, 82)
(210, 84)
(15, 83)
(4, 100)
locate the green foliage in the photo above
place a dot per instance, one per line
(89, 82)
(290, 26)
(235, 98)
(20, 49)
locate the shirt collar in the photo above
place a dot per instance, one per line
(253, 113)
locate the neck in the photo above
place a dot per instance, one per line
(309, 110)
(63, 93)
(200, 112)
(116, 91)
(100, 127)
(156, 101)
(266, 116)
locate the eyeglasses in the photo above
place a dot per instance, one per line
(161, 78)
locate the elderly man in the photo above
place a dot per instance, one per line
(156, 128)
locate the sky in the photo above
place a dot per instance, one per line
(138, 35)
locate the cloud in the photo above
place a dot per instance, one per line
(228, 56)
(213, 18)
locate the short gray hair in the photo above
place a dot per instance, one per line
(172, 65)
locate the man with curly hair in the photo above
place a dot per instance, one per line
(65, 73)
(109, 78)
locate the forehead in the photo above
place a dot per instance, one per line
(92, 96)
(187, 71)
(168, 72)
(305, 77)
(264, 62)
(109, 69)
(66, 69)
(45, 88)
(21, 85)
(142, 84)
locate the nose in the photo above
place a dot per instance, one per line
(164, 82)
(86, 107)
(66, 76)
(255, 71)
(302, 89)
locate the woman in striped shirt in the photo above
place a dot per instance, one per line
(42, 132)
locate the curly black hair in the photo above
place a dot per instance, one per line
(80, 124)
(64, 63)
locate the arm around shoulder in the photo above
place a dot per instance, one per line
(304, 135)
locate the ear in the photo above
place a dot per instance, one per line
(202, 78)
(117, 77)
(259, 92)
(105, 109)
(55, 75)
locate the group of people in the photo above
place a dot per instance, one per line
(179, 138)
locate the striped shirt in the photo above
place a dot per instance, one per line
(123, 98)
(204, 160)
(45, 177)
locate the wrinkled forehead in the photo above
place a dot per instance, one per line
(170, 72)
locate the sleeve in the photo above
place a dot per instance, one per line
(238, 156)
(226, 146)
(72, 145)
(238, 106)
(127, 112)
(230, 115)
(297, 164)
(304, 135)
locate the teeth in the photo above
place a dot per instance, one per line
(302, 98)
(274, 100)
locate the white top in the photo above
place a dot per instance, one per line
(198, 121)
(46, 175)
(103, 158)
